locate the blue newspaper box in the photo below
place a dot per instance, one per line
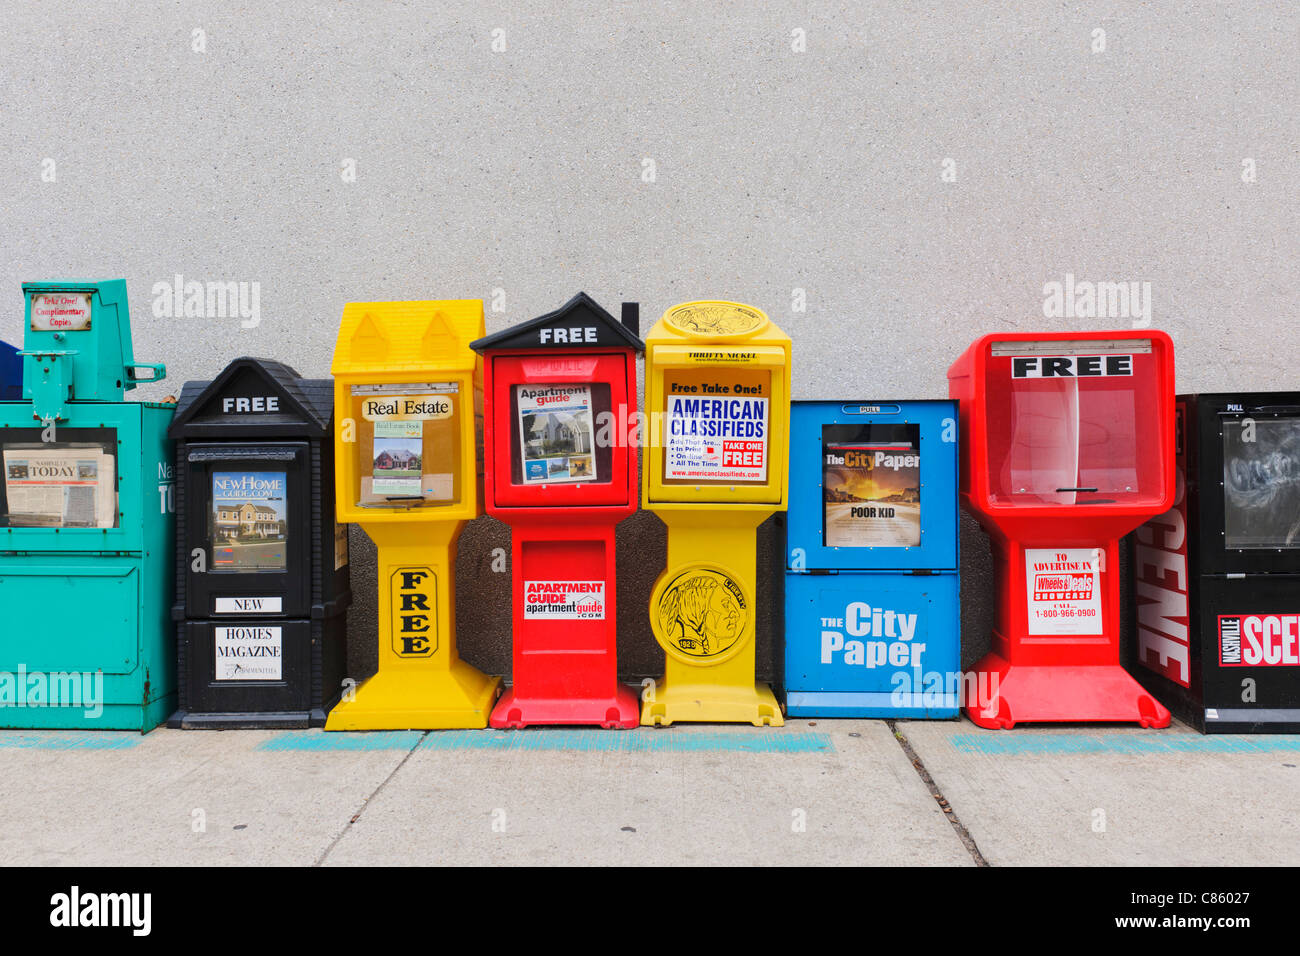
(11, 373)
(872, 588)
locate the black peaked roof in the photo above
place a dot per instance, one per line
(582, 312)
(310, 401)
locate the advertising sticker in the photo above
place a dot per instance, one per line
(1064, 590)
(564, 600)
(716, 438)
(248, 653)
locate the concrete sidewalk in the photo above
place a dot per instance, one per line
(814, 792)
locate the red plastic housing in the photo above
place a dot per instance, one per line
(562, 534)
(1067, 445)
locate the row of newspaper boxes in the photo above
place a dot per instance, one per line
(188, 562)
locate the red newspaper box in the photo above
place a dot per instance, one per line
(1067, 445)
(560, 467)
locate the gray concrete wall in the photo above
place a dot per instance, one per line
(914, 174)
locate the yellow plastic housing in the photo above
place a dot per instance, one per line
(702, 608)
(421, 684)
(732, 343)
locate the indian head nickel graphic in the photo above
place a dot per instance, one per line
(715, 319)
(701, 614)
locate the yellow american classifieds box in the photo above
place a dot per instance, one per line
(716, 466)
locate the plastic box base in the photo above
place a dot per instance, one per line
(1240, 720)
(887, 705)
(112, 717)
(418, 699)
(1059, 693)
(710, 703)
(299, 720)
(622, 710)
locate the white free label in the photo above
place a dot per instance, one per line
(248, 605)
(248, 653)
(1063, 588)
(564, 600)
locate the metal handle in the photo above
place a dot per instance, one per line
(157, 372)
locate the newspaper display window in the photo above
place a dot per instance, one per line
(60, 484)
(1261, 483)
(1072, 424)
(871, 486)
(560, 433)
(409, 434)
(248, 523)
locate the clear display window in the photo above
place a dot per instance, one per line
(1075, 439)
(248, 521)
(66, 484)
(561, 433)
(409, 438)
(1261, 483)
(871, 486)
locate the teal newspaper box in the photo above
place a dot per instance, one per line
(872, 588)
(86, 523)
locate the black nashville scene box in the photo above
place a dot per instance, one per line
(1217, 578)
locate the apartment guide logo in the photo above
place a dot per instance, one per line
(564, 600)
(1085, 299)
(192, 299)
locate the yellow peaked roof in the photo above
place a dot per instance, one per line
(394, 336)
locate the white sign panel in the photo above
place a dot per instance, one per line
(61, 312)
(715, 439)
(248, 605)
(1063, 590)
(248, 653)
(564, 600)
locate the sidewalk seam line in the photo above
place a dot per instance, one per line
(366, 802)
(948, 810)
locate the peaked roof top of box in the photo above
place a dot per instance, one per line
(582, 311)
(311, 400)
(400, 337)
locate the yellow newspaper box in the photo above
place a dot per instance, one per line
(408, 400)
(718, 403)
